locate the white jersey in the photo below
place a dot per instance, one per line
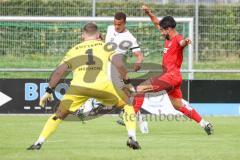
(124, 40)
(121, 42)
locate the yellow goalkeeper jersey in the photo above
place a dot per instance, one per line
(89, 63)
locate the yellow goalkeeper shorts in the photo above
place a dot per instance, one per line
(105, 93)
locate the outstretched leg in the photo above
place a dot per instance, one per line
(192, 114)
(50, 127)
(144, 87)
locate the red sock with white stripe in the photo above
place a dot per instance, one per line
(191, 113)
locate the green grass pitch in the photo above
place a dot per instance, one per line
(103, 139)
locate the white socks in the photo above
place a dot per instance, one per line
(132, 133)
(203, 123)
(40, 140)
(143, 125)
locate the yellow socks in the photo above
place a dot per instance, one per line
(49, 128)
(129, 118)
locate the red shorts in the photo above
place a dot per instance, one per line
(170, 82)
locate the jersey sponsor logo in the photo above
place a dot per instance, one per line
(89, 45)
(89, 68)
(169, 45)
(124, 45)
(165, 50)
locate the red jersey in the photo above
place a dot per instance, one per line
(172, 55)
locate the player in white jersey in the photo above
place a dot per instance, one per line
(121, 40)
(119, 37)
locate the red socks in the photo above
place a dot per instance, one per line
(187, 111)
(191, 113)
(137, 102)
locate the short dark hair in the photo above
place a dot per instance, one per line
(167, 22)
(120, 16)
(90, 28)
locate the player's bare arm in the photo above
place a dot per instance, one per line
(138, 63)
(117, 60)
(55, 78)
(57, 75)
(154, 19)
(185, 42)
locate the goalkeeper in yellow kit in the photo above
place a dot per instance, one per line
(89, 62)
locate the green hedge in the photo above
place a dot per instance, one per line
(84, 8)
(45, 8)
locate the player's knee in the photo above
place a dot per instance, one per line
(144, 87)
(140, 89)
(61, 114)
(177, 103)
(58, 116)
(176, 106)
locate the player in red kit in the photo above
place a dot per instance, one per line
(171, 78)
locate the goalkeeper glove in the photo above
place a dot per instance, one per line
(48, 96)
